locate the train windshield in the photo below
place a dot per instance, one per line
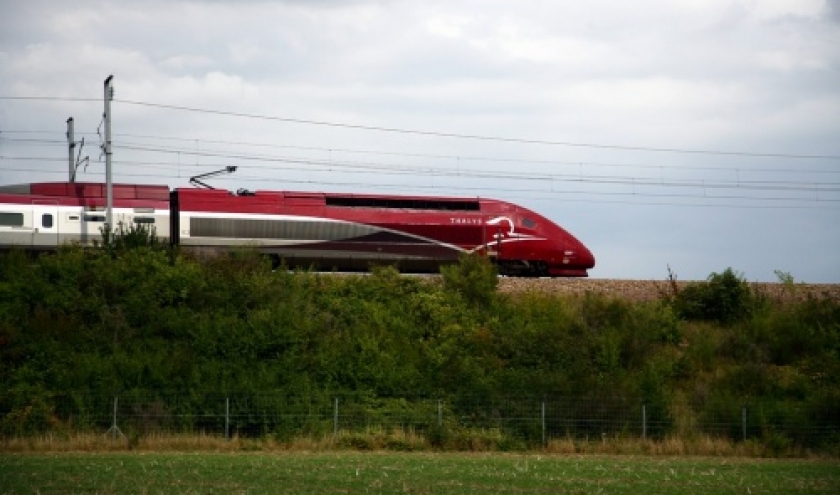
(528, 223)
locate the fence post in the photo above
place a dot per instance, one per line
(542, 418)
(644, 422)
(335, 418)
(114, 430)
(440, 413)
(744, 422)
(227, 418)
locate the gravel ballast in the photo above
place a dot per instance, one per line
(645, 290)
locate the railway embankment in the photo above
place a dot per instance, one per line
(646, 290)
(188, 345)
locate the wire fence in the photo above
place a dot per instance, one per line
(536, 420)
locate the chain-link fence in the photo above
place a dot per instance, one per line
(536, 420)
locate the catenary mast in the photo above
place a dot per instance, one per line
(109, 186)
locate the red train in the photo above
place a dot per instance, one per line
(324, 230)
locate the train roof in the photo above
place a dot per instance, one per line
(88, 190)
(352, 200)
(262, 192)
(96, 190)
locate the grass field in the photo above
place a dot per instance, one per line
(353, 472)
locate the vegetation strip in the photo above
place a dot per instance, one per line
(303, 473)
(151, 341)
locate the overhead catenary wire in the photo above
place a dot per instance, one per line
(401, 169)
(557, 194)
(484, 158)
(279, 163)
(321, 166)
(269, 162)
(432, 133)
(476, 136)
(390, 168)
(460, 158)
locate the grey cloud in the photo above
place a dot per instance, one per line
(833, 10)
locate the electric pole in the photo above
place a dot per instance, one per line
(71, 156)
(109, 186)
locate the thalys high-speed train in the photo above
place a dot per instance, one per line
(323, 230)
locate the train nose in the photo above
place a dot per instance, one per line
(578, 256)
(576, 260)
(585, 258)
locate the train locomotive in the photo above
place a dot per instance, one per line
(327, 231)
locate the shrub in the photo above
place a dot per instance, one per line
(724, 298)
(131, 236)
(474, 278)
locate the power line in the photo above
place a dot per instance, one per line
(361, 167)
(48, 98)
(479, 158)
(32, 158)
(441, 191)
(783, 202)
(405, 170)
(633, 182)
(435, 133)
(392, 169)
(475, 136)
(31, 141)
(365, 168)
(459, 158)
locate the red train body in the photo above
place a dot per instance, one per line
(324, 230)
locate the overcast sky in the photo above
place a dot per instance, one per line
(696, 134)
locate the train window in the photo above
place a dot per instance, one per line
(404, 203)
(47, 220)
(94, 218)
(11, 219)
(144, 220)
(528, 223)
(72, 218)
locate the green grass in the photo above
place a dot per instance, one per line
(353, 472)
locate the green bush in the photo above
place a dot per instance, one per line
(724, 298)
(474, 278)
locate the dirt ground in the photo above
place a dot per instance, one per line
(644, 290)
